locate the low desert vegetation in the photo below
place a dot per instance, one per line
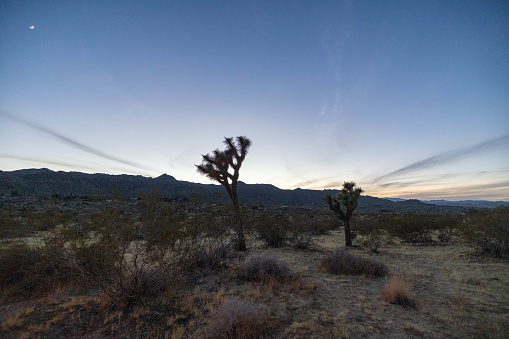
(265, 269)
(157, 268)
(488, 230)
(238, 319)
(397, 290)
(30, 271)
(299, 229)
(344, 263)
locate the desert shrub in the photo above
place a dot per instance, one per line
(49, 217)
(214, 243)
(326, 224)
(397, 291)
(272, 228)
(444, 235)
(130, 254)
(21, 224)
(445, 221)
(302, 233)
(28, 271)
(375, 240)
(317, 223)
(488, 230)
(9, 225)
(413, 228)
(211, 255)
(297, 227)
(16, 262)
(239, 319)
(342, 262)
(265, 269)
(366, 225)
(373, 236)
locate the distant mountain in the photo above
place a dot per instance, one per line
(44, 182)
(394, 199)
(468, 203)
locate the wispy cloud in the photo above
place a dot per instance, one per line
(486, 191)
(73, 143)
(42, 161)
(447, 157)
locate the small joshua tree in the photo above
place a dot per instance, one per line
(348, 197)
(216, 166)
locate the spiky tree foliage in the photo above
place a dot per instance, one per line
(349, 198)
(223, 167)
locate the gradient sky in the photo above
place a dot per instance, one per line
(407, 98)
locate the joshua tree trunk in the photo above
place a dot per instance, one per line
(240, 244)
(348, 235)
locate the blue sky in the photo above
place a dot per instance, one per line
(406, 98)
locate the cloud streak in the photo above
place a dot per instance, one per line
(37, 160)
(73, 143)
(447, 157)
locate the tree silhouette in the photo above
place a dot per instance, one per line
(348, 197)
(216, 166)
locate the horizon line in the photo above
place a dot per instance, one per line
(287, 189)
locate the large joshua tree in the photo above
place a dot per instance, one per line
(223, 167)
(349, 198)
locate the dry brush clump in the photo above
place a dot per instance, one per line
(342, 262)
(28, 271)
(372, 235)
(129, 255)
(412, 228)
(236, 318)
(299, 229)
(397, 290)
(272, 228)
(303, 232)
(214, 244)
(265, 269)
(420, 228)
(375, 241)
(488, 230)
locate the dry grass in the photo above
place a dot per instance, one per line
(397, 290)
(236, 318)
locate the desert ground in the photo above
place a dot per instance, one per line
(458, 294)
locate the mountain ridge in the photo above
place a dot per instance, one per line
(45, 182)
